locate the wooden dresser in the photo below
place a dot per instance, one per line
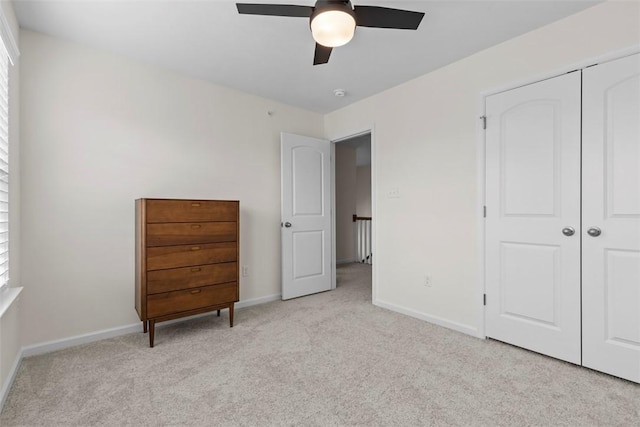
(187, 254)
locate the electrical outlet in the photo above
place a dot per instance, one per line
(393, 193)
(245, 270)
(428, 282)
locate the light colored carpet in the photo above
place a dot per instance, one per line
(330, 359)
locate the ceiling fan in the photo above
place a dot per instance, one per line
(333, 22)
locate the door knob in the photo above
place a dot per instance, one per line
(594, 232)
(568, 231)
(287, 224)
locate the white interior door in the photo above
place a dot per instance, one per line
(306, 215)
(611, 204)
(533, 204)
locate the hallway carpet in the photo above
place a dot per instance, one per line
(331, 359)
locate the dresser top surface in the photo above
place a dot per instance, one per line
(187, 200)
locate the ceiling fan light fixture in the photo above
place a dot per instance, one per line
(333, 28)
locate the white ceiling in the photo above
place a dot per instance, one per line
(272, 56)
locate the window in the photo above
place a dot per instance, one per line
(8, 55)
(4, 166)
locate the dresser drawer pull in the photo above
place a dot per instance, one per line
(195, 248)
(196, 291)
(195, 270)
(196, 226)
(195, 205)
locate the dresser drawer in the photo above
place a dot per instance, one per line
(190, 210)
(188, 233)
(191, 299)
(191, 277)
(162, 257)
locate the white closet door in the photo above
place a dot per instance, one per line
(611, 204)
(533, 194)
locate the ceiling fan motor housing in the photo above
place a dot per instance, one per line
(327, 5)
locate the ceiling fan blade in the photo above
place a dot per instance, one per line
(274, 9)
(384, 17)
(322, 54)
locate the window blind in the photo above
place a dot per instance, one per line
(4, 167)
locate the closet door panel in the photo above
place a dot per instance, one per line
(533, 193)
(611, 205)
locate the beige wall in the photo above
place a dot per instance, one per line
(426, 136)
(100, 131)
(345, 167)
(363, 190)
(9, 347)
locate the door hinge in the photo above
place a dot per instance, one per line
(484, 211)
(484, 121)
(484, 299)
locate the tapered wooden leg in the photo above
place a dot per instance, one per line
(231, 315)
(152, 330)
(144, 326)
(218, 313)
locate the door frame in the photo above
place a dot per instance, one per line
(481, 159)
(374, 234)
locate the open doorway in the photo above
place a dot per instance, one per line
(353, 209)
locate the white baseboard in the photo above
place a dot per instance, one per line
(49, 346)
(346, 261)
(4, 392)
(257, 301)
(465, 329)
